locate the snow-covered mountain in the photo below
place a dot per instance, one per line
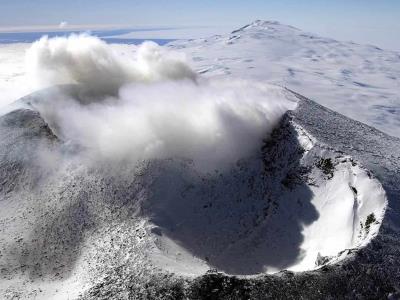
(359, 81)
(122, 195)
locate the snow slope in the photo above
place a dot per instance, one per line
(12, 73)
(359, 81)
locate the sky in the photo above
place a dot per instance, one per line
(364, 21)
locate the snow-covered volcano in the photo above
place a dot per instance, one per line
(161, 183)
(296, 203)
(359, 81)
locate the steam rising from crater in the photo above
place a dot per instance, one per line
(150, 105)
(88, 61)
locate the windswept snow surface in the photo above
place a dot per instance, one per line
(13, 83)
(359, 81)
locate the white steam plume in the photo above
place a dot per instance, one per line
(87, 60)
(160, 109)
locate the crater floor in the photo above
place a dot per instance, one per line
(299, 206)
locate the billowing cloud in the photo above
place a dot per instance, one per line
(151, 105)
(86, 60)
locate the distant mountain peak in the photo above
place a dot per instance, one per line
(264, 24)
